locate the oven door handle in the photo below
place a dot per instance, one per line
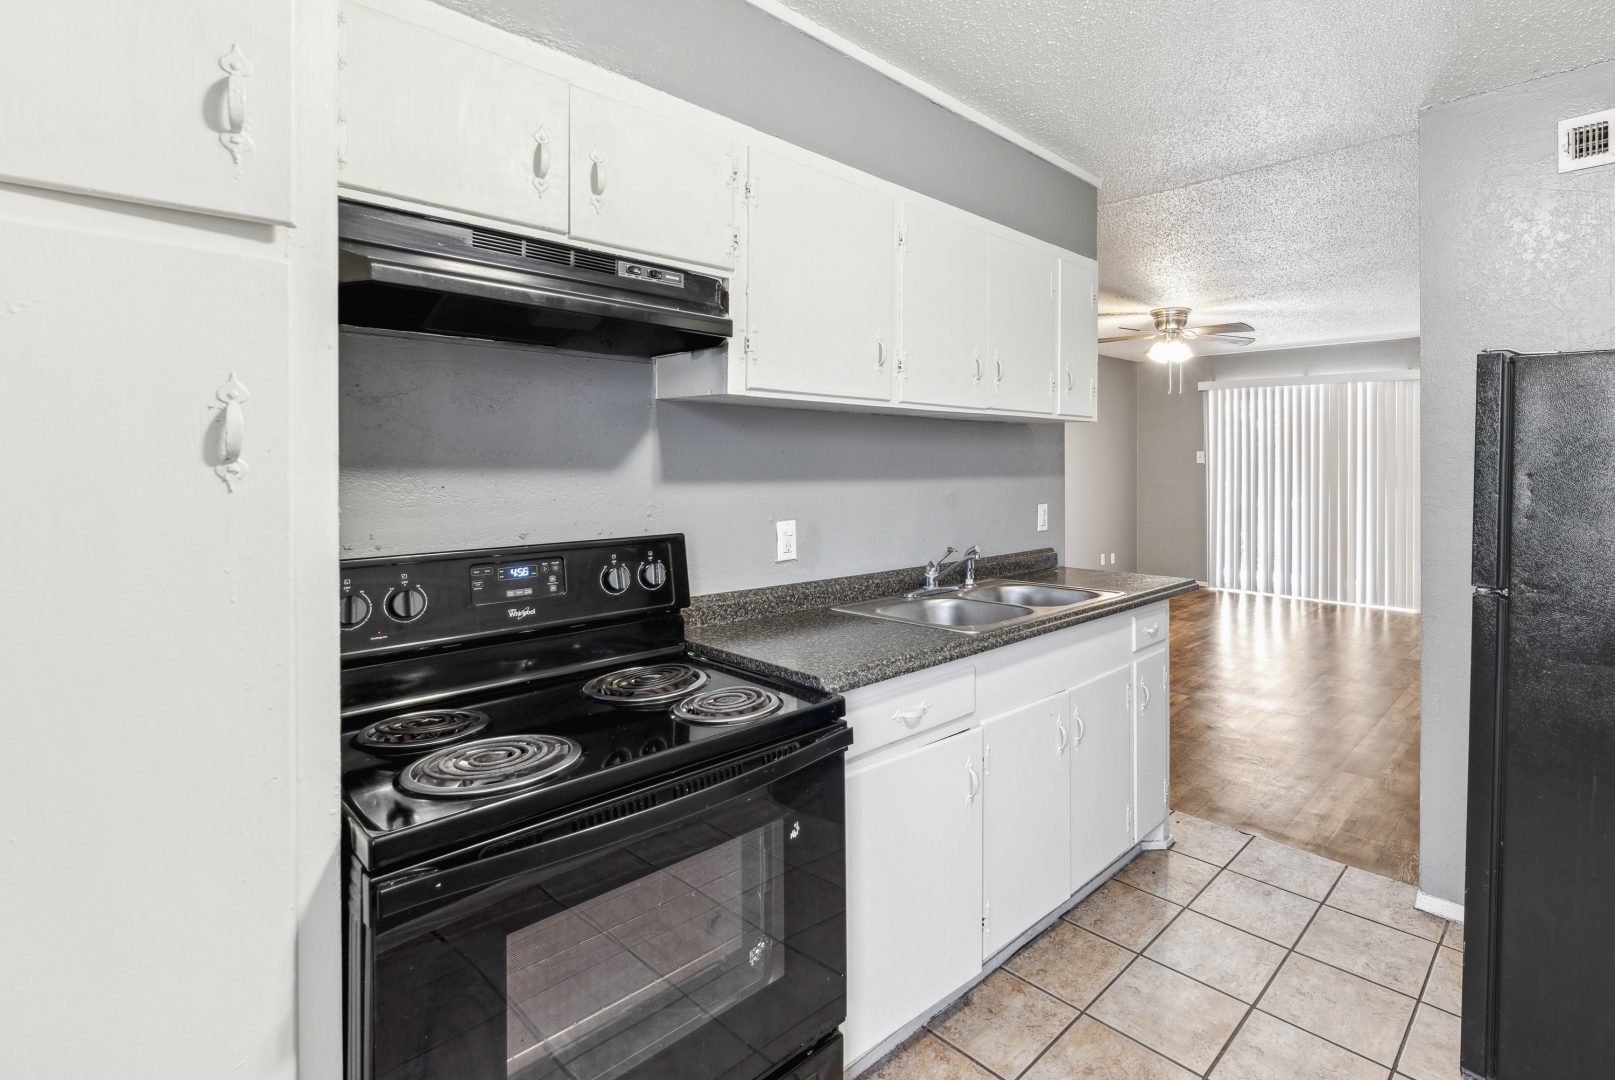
(407, 894)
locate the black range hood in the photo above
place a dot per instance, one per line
(415, 274)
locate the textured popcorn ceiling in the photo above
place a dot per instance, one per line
(1256, 156)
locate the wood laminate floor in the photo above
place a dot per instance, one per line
(1299, 721)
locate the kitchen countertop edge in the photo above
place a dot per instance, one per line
(836, 652)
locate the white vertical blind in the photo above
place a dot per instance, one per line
(1313, 491)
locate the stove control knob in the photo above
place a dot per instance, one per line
(406, 604)
(355, 610)
(653, 574)
(616, 578)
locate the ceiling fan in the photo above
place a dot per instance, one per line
(1173, 336)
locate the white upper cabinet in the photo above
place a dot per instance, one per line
(432, 119)
(1022, 310)
(1101, 774)
(914, 873)
(1027, 828)
(1079, 339)
(647, 183)
(169, 103)
(1151, 747)
(943, 352)
(820, 282)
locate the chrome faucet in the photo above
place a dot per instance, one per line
(936, 568)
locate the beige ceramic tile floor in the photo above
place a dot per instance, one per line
(1229, 957)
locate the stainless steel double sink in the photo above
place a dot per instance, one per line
(989, 605)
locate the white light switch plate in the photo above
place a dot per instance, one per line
(1199, 457)
(785, 540)
(1042, 517)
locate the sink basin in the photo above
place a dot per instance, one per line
(950, 611)
(1031, 595)
(988, 606)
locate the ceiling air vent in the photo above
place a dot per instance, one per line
(1584, 141)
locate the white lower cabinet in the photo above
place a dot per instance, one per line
(1152, 728)
(914, 883)
(1101, 773)
(1026, 832)
(981, 796)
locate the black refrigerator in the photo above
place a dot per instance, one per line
(1539, 963)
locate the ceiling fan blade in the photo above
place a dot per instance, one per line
(1226, 339)
(1222, 328)
(1138, 335)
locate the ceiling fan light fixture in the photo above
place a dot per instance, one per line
(1170, 350)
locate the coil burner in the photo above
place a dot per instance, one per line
(648, 685)
(421, 730)
(730, 705)
(489, 766)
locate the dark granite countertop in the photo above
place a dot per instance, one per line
(837, 652)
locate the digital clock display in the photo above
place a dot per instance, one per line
(519, 573)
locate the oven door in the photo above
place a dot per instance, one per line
(702, 937)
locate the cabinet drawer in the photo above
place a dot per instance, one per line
(1150, 627)
(886, 712)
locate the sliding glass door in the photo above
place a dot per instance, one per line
(1313, 491)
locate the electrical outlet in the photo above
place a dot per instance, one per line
(1101, 558)
(1199, 457)
(1042, 517)
(785, 540)
(1113, 558)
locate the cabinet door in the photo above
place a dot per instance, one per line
(1152, 732)
(913, 884)
(646, 183)
(168, 102)
(118, 330)
(1079, 339)
(943, 311)
(432, 119)
(1027, 831)
(1101, 774)
(820, 282)
(1022, 318)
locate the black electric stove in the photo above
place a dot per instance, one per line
(535, 770)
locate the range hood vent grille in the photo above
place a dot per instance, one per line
(545, 251)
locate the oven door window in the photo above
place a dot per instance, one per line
(713, 947)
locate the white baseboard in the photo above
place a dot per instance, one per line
(1441, 909)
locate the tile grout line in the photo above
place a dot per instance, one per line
(1407, 1032)
(1269, 984)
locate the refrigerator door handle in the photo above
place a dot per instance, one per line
(1489, 590)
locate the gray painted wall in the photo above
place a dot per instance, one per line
(1101, 474)
(1172, 486)
(451, 445)
(1513, 255)
(740, 62)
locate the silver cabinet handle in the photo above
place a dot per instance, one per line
(880, 351)
(975, 781)
(975, 358)
(998, 368)
(597, 171)
(911, 717)
(1143, 688)
(1069, 385)
(1059, 726)
(1082, 727)
(1152, 629)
